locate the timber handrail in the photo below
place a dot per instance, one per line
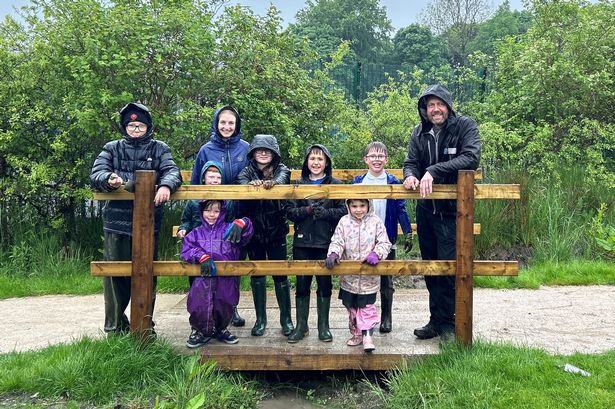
(286, 192)
(309, 267)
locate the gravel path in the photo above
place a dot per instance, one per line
(560, 320)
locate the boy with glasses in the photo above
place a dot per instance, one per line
(391, 212)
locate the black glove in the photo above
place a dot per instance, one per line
(408, 242)
(319, 212)
(233, 232)
(208, 267)
(331, 260)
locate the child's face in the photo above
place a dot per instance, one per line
(263, 156)
(212, 177)
(358, 208)
(317, 162)
(226, 124)
(136, 129)
(376, 160)
(211, 213)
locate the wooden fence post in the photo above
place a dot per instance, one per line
(465, 257)
(141, 305)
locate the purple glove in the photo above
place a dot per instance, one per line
(331, 260)
(372, 259)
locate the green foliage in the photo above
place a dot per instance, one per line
(552, 86)
(363, 23)
(416, 45)
(119, 371)
(604, 232)
(504, 23)
(502, 376)
(392, 113)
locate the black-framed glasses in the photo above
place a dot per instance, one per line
(376, 157)
(138, 127)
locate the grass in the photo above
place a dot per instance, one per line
(119, 371)
(502, 376)
(489, 375)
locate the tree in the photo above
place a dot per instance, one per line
(363, 23)
(75, 64)
(504, 23)
(415, 45)
(553, 90)
(457, 22)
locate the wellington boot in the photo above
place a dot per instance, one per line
(386, 298)
(322, 306)
(303, 311)
(368, 340)
(282, 294)
(259, 293)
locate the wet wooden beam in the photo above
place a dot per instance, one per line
(308, 267)
(288, 192)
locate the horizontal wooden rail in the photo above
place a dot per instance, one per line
(304, 267)
(291, 229)
(285, 192)
(342, 174)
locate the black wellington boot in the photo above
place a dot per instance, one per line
(259, 293)
(282, 294)
(303, 311)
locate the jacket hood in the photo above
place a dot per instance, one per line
(208, 165)
(144, 116)
(222, 216)
(441, 92)
(268, 142)
(215, 135)
(305, 172)
(370, 208)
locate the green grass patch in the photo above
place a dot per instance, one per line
(121, 371)
(575, 272)
(502, 376)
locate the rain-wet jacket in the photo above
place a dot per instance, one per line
(309, 231)
(124, 157)
(457, 147)
(354, 239)
(211, 300)
(230, 152)
(268, 216)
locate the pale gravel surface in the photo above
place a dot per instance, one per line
(560, 320)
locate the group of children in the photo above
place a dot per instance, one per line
(330, 230)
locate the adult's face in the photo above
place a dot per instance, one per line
(226, 124)
(437, 111)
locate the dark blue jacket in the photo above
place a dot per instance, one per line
(396, 210)
(231, 152)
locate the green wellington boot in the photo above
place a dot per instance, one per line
(259, 293)
(303, 311)
(386, 298)
(322, 305)
(282, 294)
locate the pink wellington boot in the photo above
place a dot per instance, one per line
(368, 341)
(355, 340)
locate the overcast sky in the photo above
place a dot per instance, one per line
(400, 12)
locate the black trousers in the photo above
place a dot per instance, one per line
(386, 282)
(116, 290)
(304, 283)
(437, 242)
(273, 250)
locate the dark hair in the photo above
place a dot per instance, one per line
(316, 149)
(376, 146)
(366, 201)
(207, 204)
